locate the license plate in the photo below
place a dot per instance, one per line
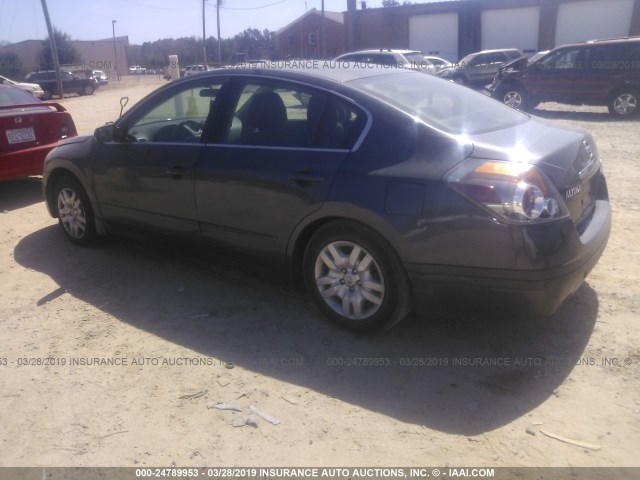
(21, 135)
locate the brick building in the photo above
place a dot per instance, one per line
(303, 37)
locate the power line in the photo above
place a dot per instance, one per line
(160, 8)
(254, 8)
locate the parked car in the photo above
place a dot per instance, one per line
(100, 77)
(29, 129)
(604, 72)
(32, 88)
(478, 69)
(437, 62)
(389, 185)
(411, 59)
(137, 70)
(193, 69)
(70, 83)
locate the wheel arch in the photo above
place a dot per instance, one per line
(511, 84)
(619, 88)
(305, 231)
(53, 175)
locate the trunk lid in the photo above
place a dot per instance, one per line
(567, 155)
(27, 126)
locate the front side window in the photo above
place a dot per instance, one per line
(289, 115)
(182, 118)
(562, 60)
(477, 61)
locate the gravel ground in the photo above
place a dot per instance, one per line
(114, 355)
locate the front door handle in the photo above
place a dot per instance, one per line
(176, 172)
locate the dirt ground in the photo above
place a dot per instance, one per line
(115, 355)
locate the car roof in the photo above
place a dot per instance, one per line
(603, 41)
(297, 70)
(496, 51)
(383, 50)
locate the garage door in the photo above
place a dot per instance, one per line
(592, 19)
(511, 28)
(435, 35)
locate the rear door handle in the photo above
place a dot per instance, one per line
(306, 177)
(176, 172)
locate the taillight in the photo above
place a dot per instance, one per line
(511, 191)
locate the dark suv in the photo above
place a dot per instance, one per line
(70, 83)
(600, 72)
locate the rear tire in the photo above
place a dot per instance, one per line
(355, 277)
(47, 94)
(624, 103)
(74, 211)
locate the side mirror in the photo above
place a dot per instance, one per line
(106, 133)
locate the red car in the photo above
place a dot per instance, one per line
(29, 129)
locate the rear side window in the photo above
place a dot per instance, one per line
(289, 115)
(441, 105)
(617, 56)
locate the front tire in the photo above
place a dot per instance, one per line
(47, 94)
(460, 80)
(74, 211)
(88, 90)
(356, 278)
(624, 103)
(514, 97)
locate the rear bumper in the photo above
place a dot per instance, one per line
(539, 291)
(23, 163)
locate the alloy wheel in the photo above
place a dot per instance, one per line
(349, 280)
(625, 104)
(513, 99)
(72, 213)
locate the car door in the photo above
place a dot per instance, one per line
(145, 177)
(485, 66)
(602, 70)
(273, 164)
(557, 77)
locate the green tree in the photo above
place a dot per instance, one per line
(67, 53)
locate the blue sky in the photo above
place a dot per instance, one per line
(148, 20)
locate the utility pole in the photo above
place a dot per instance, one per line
(324, 33)
(54, 49)
(115, 52)
(204, 39)
(219, 46)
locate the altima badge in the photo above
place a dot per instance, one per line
(572, 192)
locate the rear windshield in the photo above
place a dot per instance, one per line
(441, 104)
(16, 96)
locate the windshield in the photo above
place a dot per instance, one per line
(441, 104)
(416, 59)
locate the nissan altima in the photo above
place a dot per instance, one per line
(382, 188)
